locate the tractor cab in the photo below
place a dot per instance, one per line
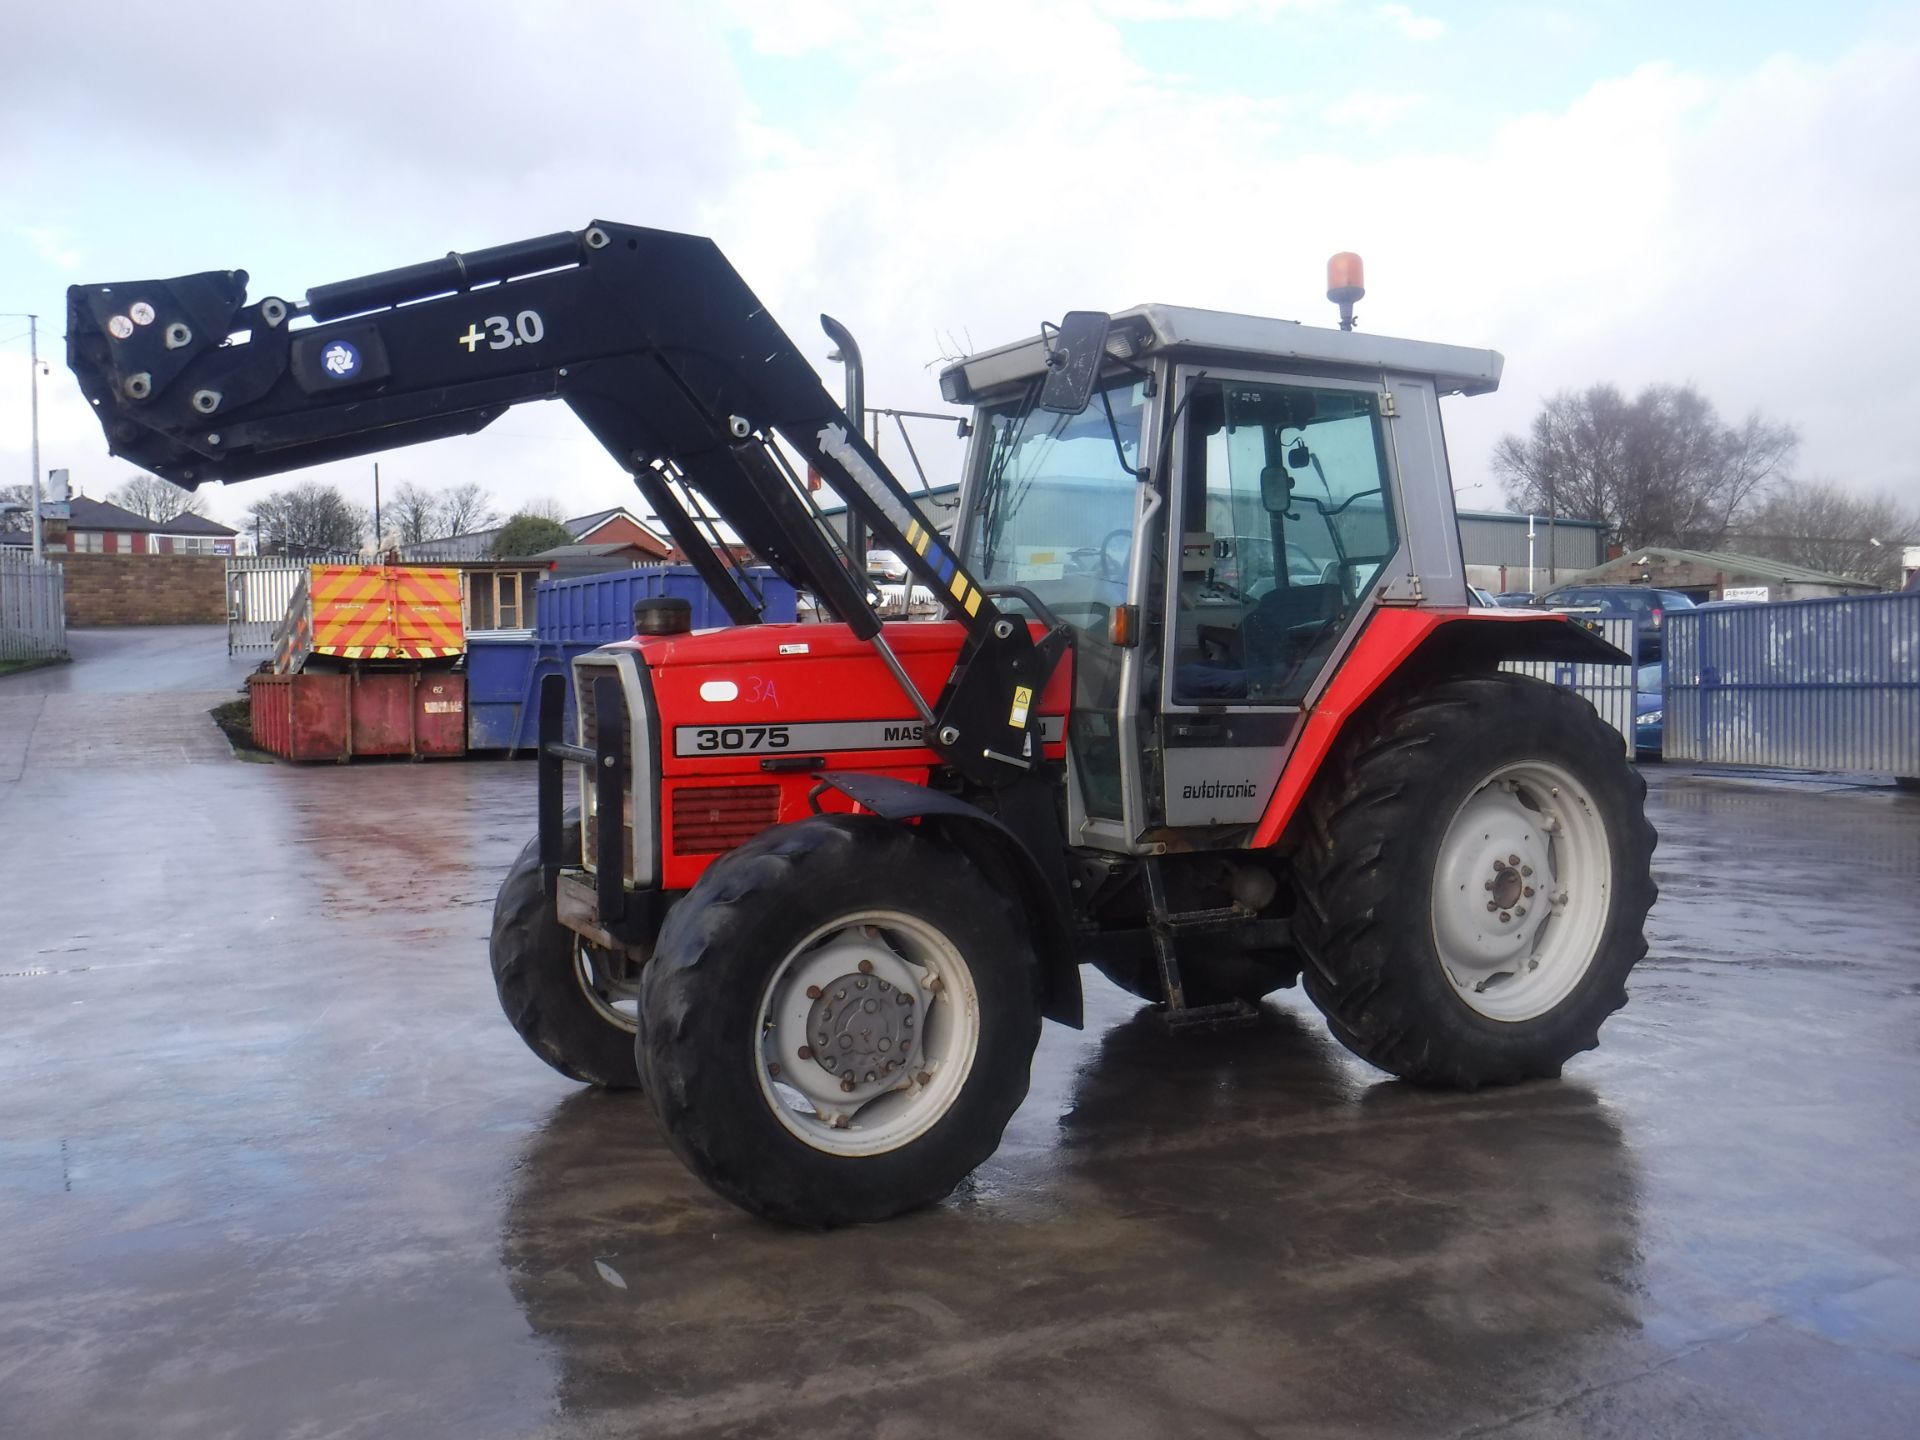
(1214, 523)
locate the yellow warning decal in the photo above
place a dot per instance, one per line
(1022, 703)
(959, 586)
(913, 532)
(973, 602)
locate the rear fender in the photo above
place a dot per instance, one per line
(1004, 857)
(1402, 648)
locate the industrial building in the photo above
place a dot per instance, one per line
(1720, 575)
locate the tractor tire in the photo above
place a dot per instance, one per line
(547, 985)
(891, 954)
(1437, 831)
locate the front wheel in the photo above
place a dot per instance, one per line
(1474, 882)
(573, 1004)
(838, 1022)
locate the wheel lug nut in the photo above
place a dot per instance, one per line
(866, 967)
(904, 998)
(1513, 859)
(1489, 885)
(846, 1086)
(1521, 913)
(861, 983)
(840, 994)
(829, 1062)
(1492, 905)
(871, 1077)
(1505, 917)
(885, 986)
(1526, 870)
(806, 1052)
(813, 992)
(1528, 892)
(846, 1042)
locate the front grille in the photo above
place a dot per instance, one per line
(708, 819)
(586, 706)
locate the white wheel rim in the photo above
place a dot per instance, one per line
(1521, 890)
(614, 1001)
(878, 994)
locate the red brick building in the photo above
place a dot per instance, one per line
(99, 527)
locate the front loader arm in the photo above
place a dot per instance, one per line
(652, 339)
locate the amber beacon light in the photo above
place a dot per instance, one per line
(1346, 284)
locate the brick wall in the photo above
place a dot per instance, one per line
(145, 589)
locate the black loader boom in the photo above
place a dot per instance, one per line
(651, 338)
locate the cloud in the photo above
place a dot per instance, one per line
(1372, 111)
(1414, 27)
(51, 246)
(922, 174)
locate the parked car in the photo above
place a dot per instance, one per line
(1514, 599)
(1477, 596)
(1643, 602)
(1649, 712)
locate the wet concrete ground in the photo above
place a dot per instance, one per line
(272, 1164)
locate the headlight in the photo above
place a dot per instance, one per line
(1652, 717)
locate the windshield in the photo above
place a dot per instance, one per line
(1055, 507)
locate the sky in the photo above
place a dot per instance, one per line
(1726, 194)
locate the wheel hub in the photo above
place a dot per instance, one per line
(860, 1029)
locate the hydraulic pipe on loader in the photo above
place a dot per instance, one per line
(650, 337)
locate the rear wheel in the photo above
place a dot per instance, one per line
(840, 1020)
(575, 1006)
(1474, 882)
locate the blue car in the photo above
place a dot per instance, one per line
(1649, 716)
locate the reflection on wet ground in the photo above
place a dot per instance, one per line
(271, 1164)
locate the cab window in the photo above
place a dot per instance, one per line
(1287, 524)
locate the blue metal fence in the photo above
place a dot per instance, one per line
(1806, 685)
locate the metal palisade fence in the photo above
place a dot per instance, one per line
(1609, 688)
(33, 609)
(259, 590)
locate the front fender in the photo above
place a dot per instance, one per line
(1008, 856)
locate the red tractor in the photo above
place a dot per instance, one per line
(1208, 708)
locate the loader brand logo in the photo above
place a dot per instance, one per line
(1220, 790)
(341, 360)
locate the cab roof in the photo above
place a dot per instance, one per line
(1156, 329)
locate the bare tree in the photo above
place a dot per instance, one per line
(157, 499)
(411, 513)
(1822, 526)
(309, 519)
(1661, 468)
(20, 520)
(464, 509)
(545, 508)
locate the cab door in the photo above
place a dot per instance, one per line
(1287, 525)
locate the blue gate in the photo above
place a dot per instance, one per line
(1805, 685)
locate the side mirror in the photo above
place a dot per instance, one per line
(1276, 488)
(1075, 353)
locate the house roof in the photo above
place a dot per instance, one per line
(86, 513)
(187, 523)
(1729, 560)
(584, 525)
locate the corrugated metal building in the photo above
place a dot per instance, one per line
(1709, 574)
(1494, 545)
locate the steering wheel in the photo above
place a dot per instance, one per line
(1112, 568)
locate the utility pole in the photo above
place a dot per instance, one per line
(376, 507)
(33, 350)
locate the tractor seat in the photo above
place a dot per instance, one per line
(1272, 642)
